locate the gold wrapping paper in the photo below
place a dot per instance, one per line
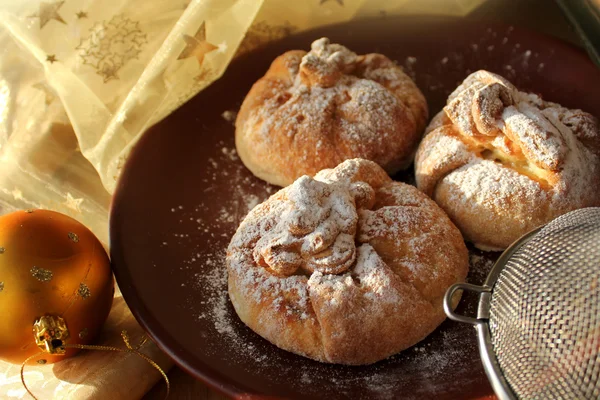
(81, 80)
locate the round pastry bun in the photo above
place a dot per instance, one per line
(313, 110)
(349, 267)
(502, 162)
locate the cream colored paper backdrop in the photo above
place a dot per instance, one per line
(81, 80)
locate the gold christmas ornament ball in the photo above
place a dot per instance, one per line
(54, 274)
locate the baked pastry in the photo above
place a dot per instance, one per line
(314, 110)
(349, 267)
(502, 162)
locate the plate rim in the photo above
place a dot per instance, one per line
(163, 340)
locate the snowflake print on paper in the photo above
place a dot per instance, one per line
(111, 45)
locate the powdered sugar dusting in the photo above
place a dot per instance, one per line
(515, 156)
(480, 267)
(525, 133)
(313, 111)
(292, 264)
(446, 356)
(320, 220)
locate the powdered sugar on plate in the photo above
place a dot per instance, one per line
(439, 354)
(224, 337)
(429, 367)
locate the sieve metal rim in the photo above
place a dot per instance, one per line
(488, 357)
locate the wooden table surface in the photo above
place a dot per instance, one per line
(540, 15)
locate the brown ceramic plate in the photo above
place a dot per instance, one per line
(184, 191)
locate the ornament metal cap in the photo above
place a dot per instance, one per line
(51, 334)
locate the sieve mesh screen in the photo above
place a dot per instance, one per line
(545, 311)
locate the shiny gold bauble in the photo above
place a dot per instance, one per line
(50, 265)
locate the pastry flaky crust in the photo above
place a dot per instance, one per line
(313, 110)
(349, 267)
(502, 162)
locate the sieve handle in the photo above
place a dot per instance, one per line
(448, 302)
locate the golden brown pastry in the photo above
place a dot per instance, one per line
(314, 110)
(349, 267)
(501, 162)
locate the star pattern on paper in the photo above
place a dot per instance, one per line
(51, 58)
(49, 94)
(81, 14)
(197, 45)
(340, 2)
(111, 44)
(73, 203)
(48, 12)
(109, 71)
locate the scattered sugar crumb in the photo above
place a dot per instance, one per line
(229, 115)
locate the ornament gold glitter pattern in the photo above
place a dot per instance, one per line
(47, 12)
(81, 15)
(83, 291)
(2, 250)
(41, 274)
(51, 58)
(42, 361)
(73, 203)
(1, 286)
(73, 236)
(48, 93)
(197, 45)
(110, 45)
(42, 271)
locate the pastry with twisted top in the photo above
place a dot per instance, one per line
(501, 162)
(349, 267)
(314, 110)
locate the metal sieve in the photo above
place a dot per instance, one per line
(538, 318)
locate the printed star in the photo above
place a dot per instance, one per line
(117, 20)
(109, 72)
(81, 14)
(47, 12)
(73, 203)
(140, 39)
(197, 46)
(340, 2)
(47, 91)
(51, 58)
